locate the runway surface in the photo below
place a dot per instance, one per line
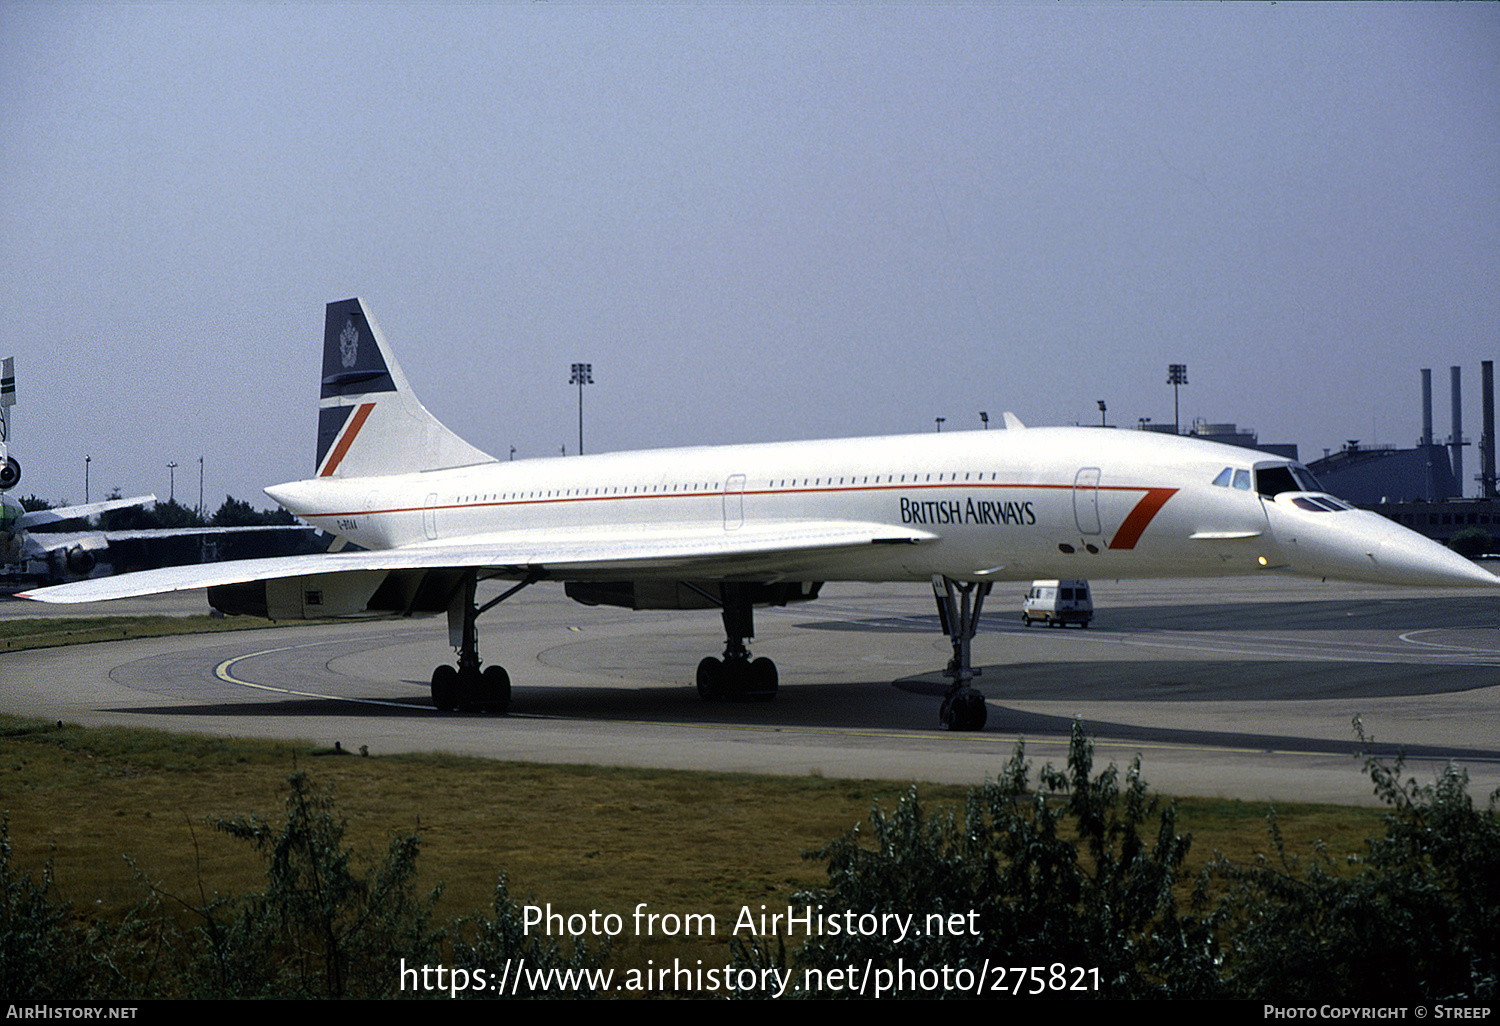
(1244, 688)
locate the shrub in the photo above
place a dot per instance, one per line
(1078, 873)
(1416, 918)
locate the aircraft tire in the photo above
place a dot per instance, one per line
(494, 689)
(445, 688)
(764, 680)
(964, 710)
(711, 676)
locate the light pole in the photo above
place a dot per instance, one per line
(87, 459)
(171, 483)
(200, 486)
(940, 423)
(583, 374)
(1102, 408)
(1176, 376)
(984, 418)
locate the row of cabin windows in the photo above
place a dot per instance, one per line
(806, 482)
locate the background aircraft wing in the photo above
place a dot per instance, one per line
(39, 517)
(595, 553)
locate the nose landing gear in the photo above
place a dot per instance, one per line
(963, 706)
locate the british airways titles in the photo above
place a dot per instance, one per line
(967, 511)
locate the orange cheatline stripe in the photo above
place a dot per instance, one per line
(1136, 522)
(350, 430)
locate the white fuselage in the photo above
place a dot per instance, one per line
(999, 505)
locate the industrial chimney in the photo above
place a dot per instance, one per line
(1456, 440)
(1426, 407)
(1487, 440)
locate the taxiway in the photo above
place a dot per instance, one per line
(1243, 688)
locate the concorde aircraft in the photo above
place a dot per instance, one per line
(734, 527)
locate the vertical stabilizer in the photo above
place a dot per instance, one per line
(369, 422)
(10, 470)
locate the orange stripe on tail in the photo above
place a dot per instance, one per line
(347, 438)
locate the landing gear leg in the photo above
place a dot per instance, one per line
(466, 687)
(737, 676)
(963, 706)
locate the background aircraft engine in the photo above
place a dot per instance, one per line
(10, 474)
(80, 560)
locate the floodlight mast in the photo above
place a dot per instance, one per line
(1176, 376)
(583, 374)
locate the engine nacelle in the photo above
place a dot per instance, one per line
(684, 594)
(311, 597)
(10, 473)
(79, 560)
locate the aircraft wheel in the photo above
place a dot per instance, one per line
(445, 688)
(711, 679)
(495, 689)
(764, 680)
(470, 691)
(963, 710)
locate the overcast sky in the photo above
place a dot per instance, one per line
(757, 222)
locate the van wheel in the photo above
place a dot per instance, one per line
(1025, 620)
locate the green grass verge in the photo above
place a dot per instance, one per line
(581, 838)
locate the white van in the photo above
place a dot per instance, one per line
(1058, 603)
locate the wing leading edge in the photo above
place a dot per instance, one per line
(561, 555)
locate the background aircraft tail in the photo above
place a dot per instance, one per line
(10, 469)
(369, 422)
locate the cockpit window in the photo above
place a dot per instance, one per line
(1288, 477)
(1229, 477)
(1305, 478)
(1273, 481)
(1320, 503)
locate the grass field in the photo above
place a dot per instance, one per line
(117, 809)
(581, 838)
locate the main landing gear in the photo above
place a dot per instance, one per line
(963, 706)
(466, 687)
(736, 677)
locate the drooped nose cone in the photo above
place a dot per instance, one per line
(1425, 562)
(1356, 545)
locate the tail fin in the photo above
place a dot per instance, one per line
(10, 469)
(369, 422)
